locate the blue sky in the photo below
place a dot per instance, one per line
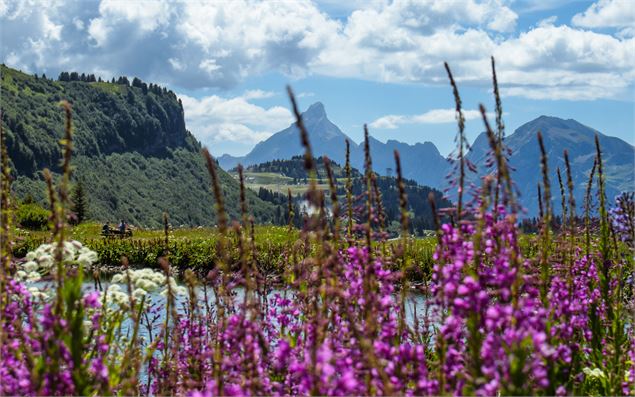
(375, 62)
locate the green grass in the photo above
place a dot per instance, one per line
(195, 248)
(276, 183)
(267, 178)
(92, 230)
(109, 87)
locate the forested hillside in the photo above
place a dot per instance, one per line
(420, 212)
(294, 168)
(132, 150)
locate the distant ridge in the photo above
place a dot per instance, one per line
(327, 139)
(618, 159)
(423, 163)
(420, 210)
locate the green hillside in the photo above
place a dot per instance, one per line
(272, 179)
(294, 168)
(132, 151)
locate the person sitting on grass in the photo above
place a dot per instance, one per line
(105, 229)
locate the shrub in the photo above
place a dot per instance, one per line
(32, 216)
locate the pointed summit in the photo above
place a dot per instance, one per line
(314, 113)
(559, 134)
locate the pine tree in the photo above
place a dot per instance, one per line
(80, 203)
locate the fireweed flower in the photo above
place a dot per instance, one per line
(476, 293)
(335, 335)
(623, 218)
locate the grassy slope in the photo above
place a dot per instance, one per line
(280, 175)
(132, 151)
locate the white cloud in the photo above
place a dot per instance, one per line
(607, 14)
(116, 17)
(560, 62)
(550, 21)
(146, 14)
(193, 45)
(434, 116)
(216, 119)
(99, 31)
(177, 65)
(574, 93)
(79, 24)
(258, 94)
(209, 66)
(247, 38)
(52, 31)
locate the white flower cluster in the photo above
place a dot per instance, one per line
(114, 295)
(41, 262)
(42, 259)
(142, 282)
(595, 373)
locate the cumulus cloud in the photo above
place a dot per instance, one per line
(607, 14)
(560, 62)
(244, 38)
(216, 119)
(258, 94)
(434, 116)
(209, 44)
(192, 45)
(549, 21)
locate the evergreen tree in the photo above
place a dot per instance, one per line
(80, 203)
(123, 80)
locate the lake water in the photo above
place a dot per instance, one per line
(413, 298)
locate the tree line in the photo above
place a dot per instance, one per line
(121, 80)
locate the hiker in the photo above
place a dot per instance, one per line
(122, 227)
(105, 229)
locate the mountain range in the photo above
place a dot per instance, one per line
(328, 139)
(136, 158)
(423, 163)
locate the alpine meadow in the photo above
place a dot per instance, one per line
(158, 237)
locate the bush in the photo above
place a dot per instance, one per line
(32, 216)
